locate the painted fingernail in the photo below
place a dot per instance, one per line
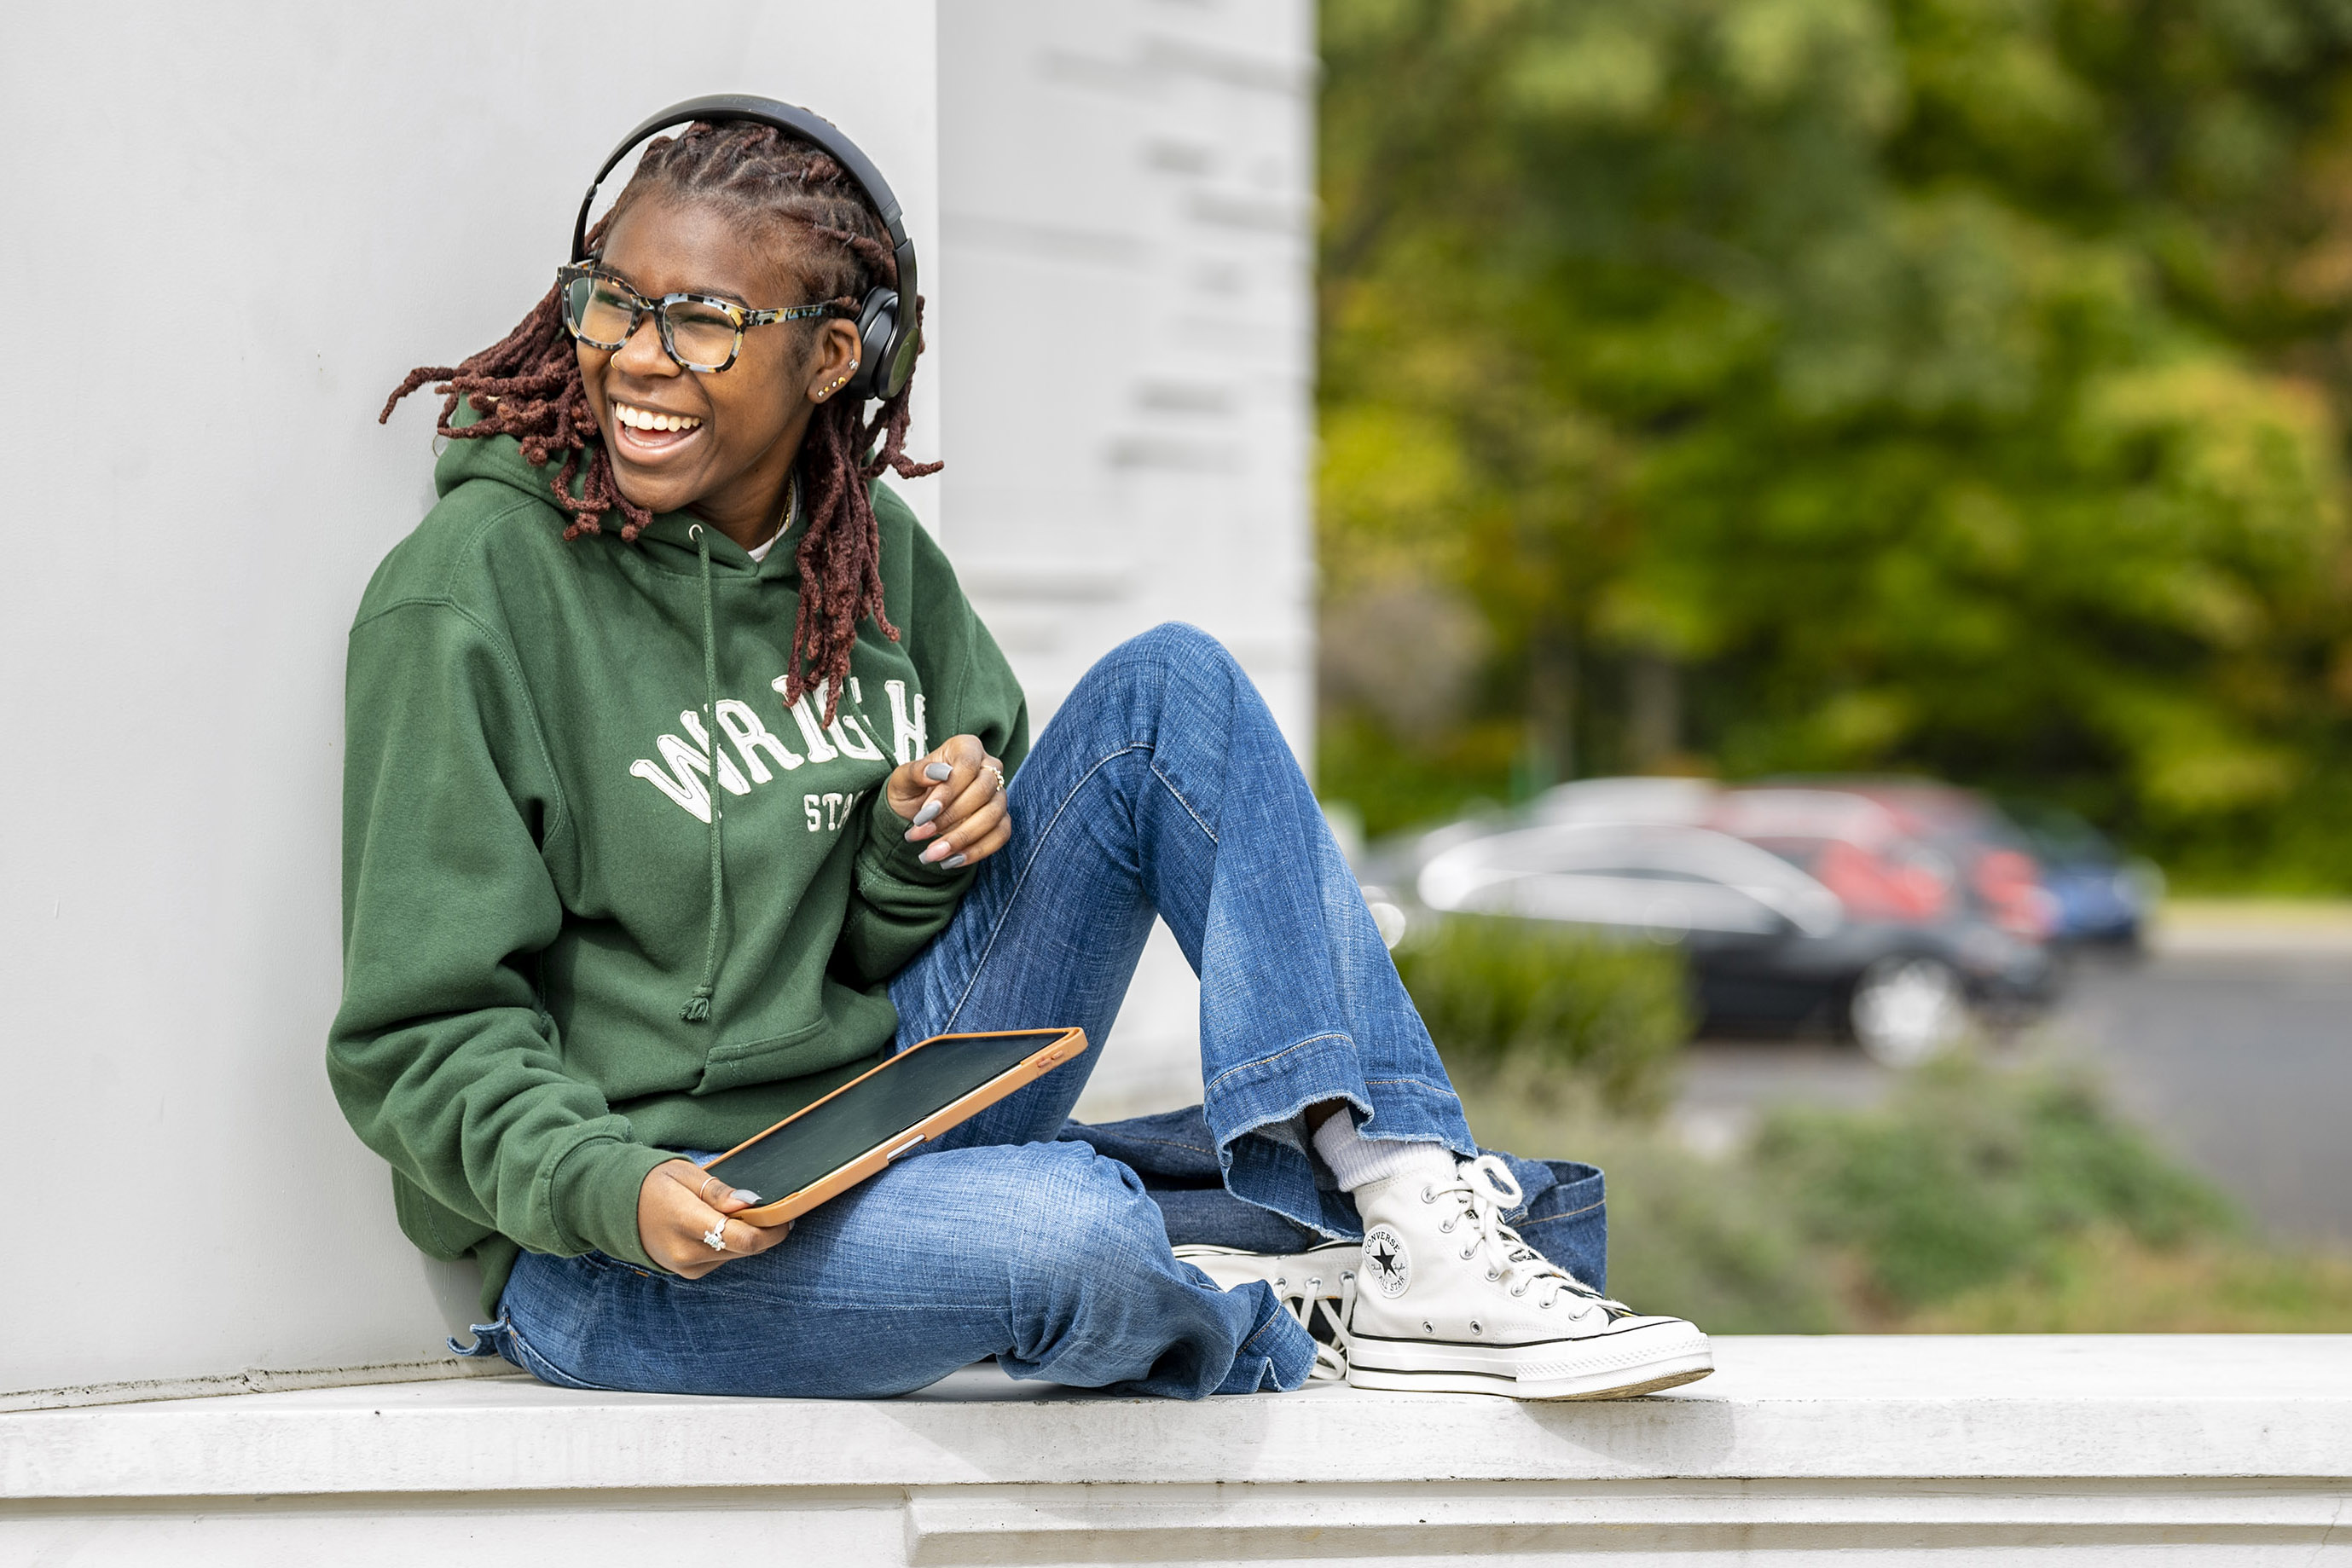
(939, 773)
(744, 1195)
(928, 812)
(934, 851)
(952, 862)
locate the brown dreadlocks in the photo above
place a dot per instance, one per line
(527, 386)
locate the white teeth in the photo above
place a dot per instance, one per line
(646, 419)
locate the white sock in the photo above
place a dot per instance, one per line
(1359, 1161)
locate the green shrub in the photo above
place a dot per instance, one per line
(1724, 1252)
(1979, 1199)
(1690, 1235)
(1968, 1176)
(1499, 991)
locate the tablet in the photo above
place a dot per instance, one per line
(828, 1146)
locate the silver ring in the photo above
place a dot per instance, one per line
(716, 1236)
(703, 1192)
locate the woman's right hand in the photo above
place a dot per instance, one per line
(955, 798)
(673, 1217)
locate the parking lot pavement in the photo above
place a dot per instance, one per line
(1725, 1083)
(2232, 1041)
(2242, 1060)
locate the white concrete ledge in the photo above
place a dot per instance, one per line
(2114, 1447)
(253, 1380)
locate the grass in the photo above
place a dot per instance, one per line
(2332, 913)
(2102, 1283)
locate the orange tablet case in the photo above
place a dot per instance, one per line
(1054, 1047)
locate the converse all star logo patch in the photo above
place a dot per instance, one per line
(1385, 1260)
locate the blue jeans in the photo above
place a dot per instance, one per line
(1161, 787)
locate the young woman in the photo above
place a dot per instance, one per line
(683, 785)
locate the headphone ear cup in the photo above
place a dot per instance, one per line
(877, 329)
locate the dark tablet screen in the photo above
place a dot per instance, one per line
(874, 1111)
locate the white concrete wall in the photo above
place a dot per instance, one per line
(230, 229)
(282, 207)
(1128, 240)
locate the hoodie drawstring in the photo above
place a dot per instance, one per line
(698, 1007)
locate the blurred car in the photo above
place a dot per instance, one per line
(1894, 910)
(1938, 869)
(1988, 853)
(2090, 893)
(2101, 897)
(1687, 802)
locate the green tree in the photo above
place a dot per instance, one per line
(1796, 384)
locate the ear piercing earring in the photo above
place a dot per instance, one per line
(837, 383)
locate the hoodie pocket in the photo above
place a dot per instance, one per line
(734, 1065)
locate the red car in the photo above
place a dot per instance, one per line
(1893, 909)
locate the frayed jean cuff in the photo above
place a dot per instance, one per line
(1276, 1172)
(1276, 1356)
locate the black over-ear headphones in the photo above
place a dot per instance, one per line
(885, 325)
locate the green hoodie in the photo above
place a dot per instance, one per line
(528, 871)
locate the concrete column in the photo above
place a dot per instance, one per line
(231, 230)
(1127, 201)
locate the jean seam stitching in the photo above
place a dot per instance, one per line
(1211, 1087)
(828, 1301)
(1259, 1333)
(1167, 1143)
(534, 1355)
(1021, 880)
(1170, 785)
(1565, 1214)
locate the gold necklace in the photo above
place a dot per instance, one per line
(791, 504)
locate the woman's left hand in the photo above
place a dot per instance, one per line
(955, 800)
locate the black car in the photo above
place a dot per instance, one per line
(1793, 904)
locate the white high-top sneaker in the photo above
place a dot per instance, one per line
(1316, 1286)
(1449, 1298)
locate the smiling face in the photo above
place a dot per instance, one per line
(718, 444)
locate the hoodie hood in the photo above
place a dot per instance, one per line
(670, 540)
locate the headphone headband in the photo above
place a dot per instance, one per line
(886, 330)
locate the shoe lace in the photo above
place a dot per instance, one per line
(1308, 1302)
(1485, 1190)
